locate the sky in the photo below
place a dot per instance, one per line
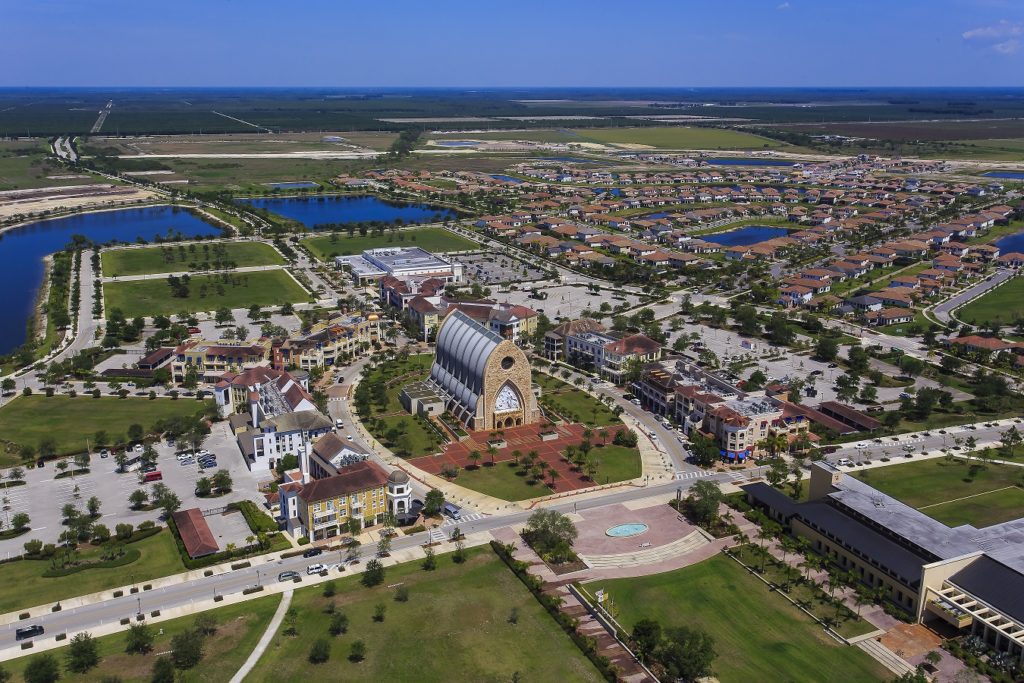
(467, 43)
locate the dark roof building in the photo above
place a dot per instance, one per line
(195, 533)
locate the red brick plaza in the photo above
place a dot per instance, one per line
(524, 439)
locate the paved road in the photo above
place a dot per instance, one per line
(944, 311)
(936, 439)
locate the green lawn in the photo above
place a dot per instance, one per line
(1003, 304)
(206, 293)
(326, 247)
(678, 137)
(455, 626)
(393, 376)
(144, 260)
(503, 480)
(949, 492)
(574, 404)
(22, 583)
(239, 628)
(70, 421)
(755, 631)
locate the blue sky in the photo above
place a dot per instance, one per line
(673, 43)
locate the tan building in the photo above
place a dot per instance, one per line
(213, 359)
(481, 378)
(323, 507)
(338, 339)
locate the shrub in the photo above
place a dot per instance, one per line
(402, 594)
(339, 624)
(358, 651)
(329, 589)
(320, 651)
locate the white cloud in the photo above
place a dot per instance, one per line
(1002, 29)
(1007, 47)
(784, 6)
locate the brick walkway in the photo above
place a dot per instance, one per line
(524, 439)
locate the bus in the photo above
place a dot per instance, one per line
(155, 475)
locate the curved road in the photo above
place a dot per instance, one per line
(944, 311)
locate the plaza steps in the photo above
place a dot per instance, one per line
(687, 544)
(886, 657)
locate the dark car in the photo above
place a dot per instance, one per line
(312, 552)
(28, 632)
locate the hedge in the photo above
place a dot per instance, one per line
(256, 519)
(585, 643)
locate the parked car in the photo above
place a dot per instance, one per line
(287, 576)
(313, 552)
(315, 569)
(844, 462)
(139, 448)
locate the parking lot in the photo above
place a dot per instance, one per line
(44, 496)
(565, 300)
(491, 268)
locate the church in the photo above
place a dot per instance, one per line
(477, 376)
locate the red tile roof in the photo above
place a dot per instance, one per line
(195, 533)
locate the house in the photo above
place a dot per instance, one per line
(865, 302)
(324, 507)
(888, 316)
(795, 295)
(1012, 260)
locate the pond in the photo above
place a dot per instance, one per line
(741, 237)
(506, 178)
(614, 191)
(457, 143)
(22, 250)
(732, 161)
(314, 211)
(1011, 243)
(1012, 175)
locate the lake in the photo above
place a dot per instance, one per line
(614, 191)
(22, 251)
(1012, 175)
(313, 211)
(1011, 244)
(293, 186)
(741, 237)
(732, 161)
(506, 178)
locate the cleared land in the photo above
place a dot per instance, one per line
(241, 143)
(326, 247)
(682, 137)
(917, 130)
(24, 164)
(22, 583)
(954, 492)
(205, 293)
(755, 631)
(534, 135)
(253, 175)
(28, 420)
(455, 626)
(196, 256)
(1004, 304)
(239, 628)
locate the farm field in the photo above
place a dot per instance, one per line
(239, 628)
(23, 585)
(682, 137)
(1004, 304)
(27, 420)
(206, 293)
(954, 492)
(326, 247)
(167, 259)
(754, 629)
(438, 631)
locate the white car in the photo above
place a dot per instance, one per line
(139, 448)
(315, 569)
(844, 462)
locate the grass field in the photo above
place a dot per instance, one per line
(325, 247)
(681, 137)
(574, 403)
(1003, 304)
(535, 135)
(24, 164)
(144, 260)
(253, 174)
(417, 439)
(455, 626)
(949, 492)
(23, 585)
(206, 293)
(755, 631)
(239, 628)
(70, 421)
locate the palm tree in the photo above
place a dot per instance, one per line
(475, 457)
(492, 451)
(515, 457)
(553, 474)
(774, 443)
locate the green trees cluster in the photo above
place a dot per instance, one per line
(680, 653)
(551, 534)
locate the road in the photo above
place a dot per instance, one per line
(932, 440)
(944, 311)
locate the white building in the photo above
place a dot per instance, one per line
(399, 262)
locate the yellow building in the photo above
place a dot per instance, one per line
(333, 341)
(325, 506)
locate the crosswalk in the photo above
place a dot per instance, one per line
(465, 518)
(692, 474)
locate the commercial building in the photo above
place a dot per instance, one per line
(337, 339)
(610, 354)
(554, 340)
(509, 321)
(322, 508)
(399, 262)
(969, 579)
(479, 377)
(210, 360)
